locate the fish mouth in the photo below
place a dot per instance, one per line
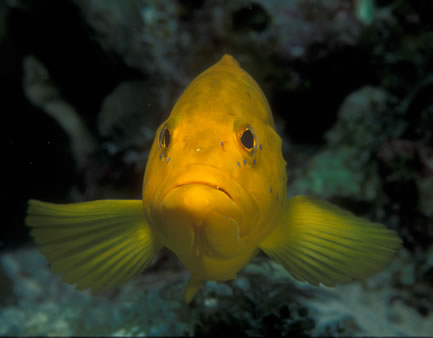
(201, 218)
(207, 175)
(201, 210)
(215, 178)
(213, 186)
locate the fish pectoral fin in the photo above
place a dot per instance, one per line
(192, 287)
(98, 244)
(318, 242)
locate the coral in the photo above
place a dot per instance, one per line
(42, 304)
(127, 122)
(264, 300)
(347, 167)
(312, 22)
(242, 309)
(43, 93)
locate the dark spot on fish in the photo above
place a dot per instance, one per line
(245, 162)
(260, 146)
(239, 165)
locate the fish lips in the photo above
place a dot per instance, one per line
(203, 209)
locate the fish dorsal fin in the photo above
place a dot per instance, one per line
(318, 242)
(98, 244)
(228, 60)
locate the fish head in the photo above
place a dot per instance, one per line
(215, 179)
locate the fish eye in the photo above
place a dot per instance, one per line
(164, 138)
(247, 139)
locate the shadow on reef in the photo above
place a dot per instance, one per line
(253, 307)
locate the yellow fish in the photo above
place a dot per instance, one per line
(214, 193)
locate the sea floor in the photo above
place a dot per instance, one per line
(264, 299)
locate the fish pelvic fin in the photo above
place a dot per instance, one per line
(97, 244)
(318, 242)
(192, 287)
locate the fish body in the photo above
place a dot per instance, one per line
(204, 194)
(214, 193)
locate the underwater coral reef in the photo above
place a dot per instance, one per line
(86, 84)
